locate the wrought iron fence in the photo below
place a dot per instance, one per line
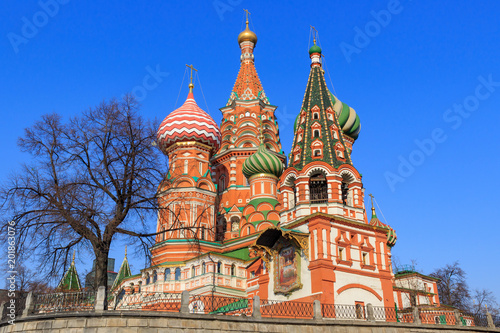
(470, 319)
(216, 304)
(153, 301)
(61, 302)
(346, 312)
(286, 309)
(437, 317)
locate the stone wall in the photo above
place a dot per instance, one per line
(155, 322)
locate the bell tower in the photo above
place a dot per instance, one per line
(321, 177)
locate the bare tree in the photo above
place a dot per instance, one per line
(482, 299)
(452, 287)
(92, 179)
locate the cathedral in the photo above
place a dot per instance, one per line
(238, 218)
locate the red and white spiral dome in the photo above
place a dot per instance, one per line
(189, 123)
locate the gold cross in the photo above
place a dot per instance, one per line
(192, 69)
(247, 13)
(315, 32)
(371, 196)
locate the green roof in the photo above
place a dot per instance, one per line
(70, 280)
(243, 254)
(123, 273)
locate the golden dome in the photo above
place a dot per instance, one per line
(247, 36)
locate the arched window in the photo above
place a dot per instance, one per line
(185, 167)
(316, 133)
(203, 232)
(140, 286)
(317, 152)
(220, 229)
(167, 274)
(203, 268)
(148, 279)
(318, 188)
(193, 271)
(132, 288)
(315, 116)
(200, 167)
(177, 274)
(233, 270)
(155, 277)
(249, 230)
(219, 267)
(345, 193)
(235, 223)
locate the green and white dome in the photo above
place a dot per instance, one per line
(348, 119)
(262, 161)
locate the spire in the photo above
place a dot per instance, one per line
(318, 136)
(247, 85)
(70, 280)
(124, 271)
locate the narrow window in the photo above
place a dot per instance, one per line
(167, 274)
(233, 270)
(185, 167)
(248, 230)
(202, 232)
(177, 275)
(345, 192)
(219, 267)
(315, 116)
(200, 166)
(203, 268)
(155, 276)
(364, 257)
(341, 253)
(193, 271)
(316, 133)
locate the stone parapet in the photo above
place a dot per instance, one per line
(155, 322)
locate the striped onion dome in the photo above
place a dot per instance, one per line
(391, 237)
(391, 234)
(348, 119)
(262, 161)
(188, 123)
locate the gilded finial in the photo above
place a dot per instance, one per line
(315, 32)
(373, 207)
(247, 13)
(191, 85)
(125, 251)
(73, 260)
(247, 34)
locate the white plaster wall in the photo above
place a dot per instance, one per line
(349, 296)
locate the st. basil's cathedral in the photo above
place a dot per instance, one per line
(237, 220)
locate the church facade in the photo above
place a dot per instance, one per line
(239, 219)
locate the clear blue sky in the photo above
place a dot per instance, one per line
(407, 79)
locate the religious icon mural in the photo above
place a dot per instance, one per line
(287, 269)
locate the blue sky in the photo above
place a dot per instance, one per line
(423, 76)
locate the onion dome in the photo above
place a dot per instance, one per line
(262, 161)
(315, 49)
(391, 237)
(348, 119)
(247, 35)
(391, 234)
(188, 123)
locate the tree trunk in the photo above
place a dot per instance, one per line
(101, 270)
